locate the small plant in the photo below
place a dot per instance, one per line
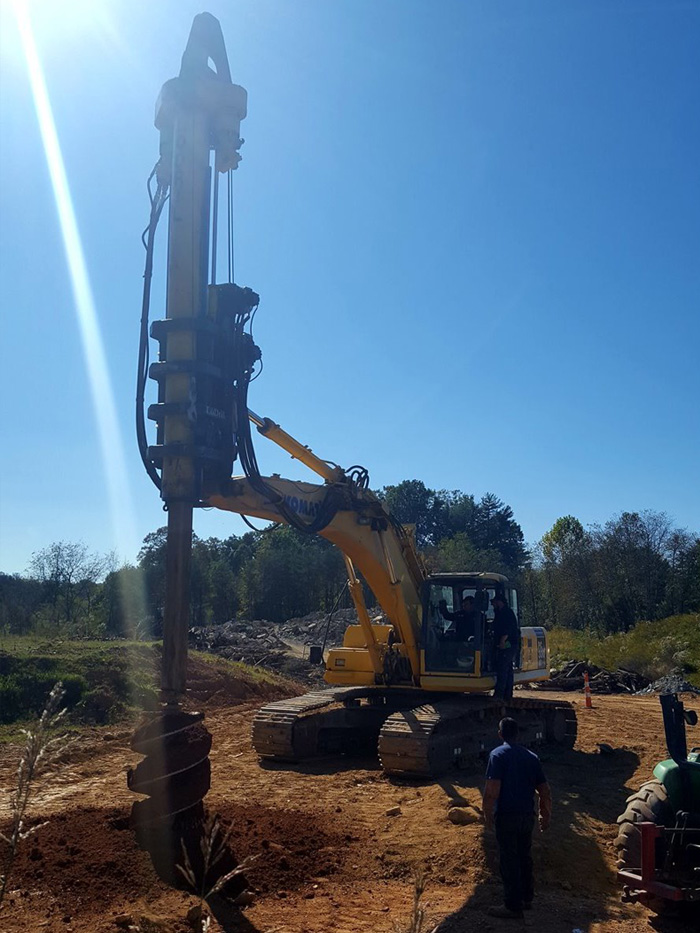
(417, 922)
(40, 746)
(213, 845)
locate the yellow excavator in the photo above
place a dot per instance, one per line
(414, 685)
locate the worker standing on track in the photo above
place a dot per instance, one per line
(513, 775)
(506, 633)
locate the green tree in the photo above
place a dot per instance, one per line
(461, 513)
(412, 503)
(122, 603)
(684, 591)
(216, 566)
(68, 573)
(564, 538)
(568, 573)
(20, 602)
(275, 581)
(151, 562)
(437, 516)
(633, 550)
(290, 574)
(458, 553)
(495, 529)
(637, 566)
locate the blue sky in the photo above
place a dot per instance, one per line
(474, 226)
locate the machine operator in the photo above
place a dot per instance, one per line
(466, 619)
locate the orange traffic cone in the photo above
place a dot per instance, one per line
(587, 691)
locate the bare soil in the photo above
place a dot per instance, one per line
(330, 858)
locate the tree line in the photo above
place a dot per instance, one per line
(605, 578)
(637, 566)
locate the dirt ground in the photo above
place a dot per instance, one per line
(330, 858)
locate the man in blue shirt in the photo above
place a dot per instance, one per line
(513, 776)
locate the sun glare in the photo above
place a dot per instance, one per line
(56, 21)
(111, 445)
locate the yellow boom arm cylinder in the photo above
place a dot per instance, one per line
(331, 472)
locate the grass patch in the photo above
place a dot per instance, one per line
(107, 682)
(651, 648)
(237, 669)
(104, 682)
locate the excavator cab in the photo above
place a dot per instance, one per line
(457, 635)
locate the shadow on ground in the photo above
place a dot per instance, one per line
(229, 917)
(687, 918)
(336, 764)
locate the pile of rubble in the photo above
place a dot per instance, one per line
(282, 647)
(570, 677)
(255, 640)
(674, 682)
(312, 629)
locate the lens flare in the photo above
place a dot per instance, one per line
(112, 448)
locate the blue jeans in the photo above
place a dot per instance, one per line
(504, 673)
(514, 835)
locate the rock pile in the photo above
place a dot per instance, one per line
(570, 677)
(251, 640)
(674, 682)
(311, 629)
(257, 644)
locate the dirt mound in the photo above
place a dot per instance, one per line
(86, 861)
(74, 846)
(212, 683)
(292, 848)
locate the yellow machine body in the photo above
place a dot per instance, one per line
(351, 665)
(403, 651)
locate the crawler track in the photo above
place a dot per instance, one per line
(415, 733)
(432, 738)
(286, 731)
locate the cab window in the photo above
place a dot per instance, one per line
(450, 644)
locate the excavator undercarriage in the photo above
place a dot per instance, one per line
(415, 733)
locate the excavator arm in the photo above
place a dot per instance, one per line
(371, 543)
(379, 689)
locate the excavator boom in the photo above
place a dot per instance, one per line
(370, 544)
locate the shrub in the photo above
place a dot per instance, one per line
(651, 648)
(101, 682)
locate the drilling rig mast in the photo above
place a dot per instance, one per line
(200, 342)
